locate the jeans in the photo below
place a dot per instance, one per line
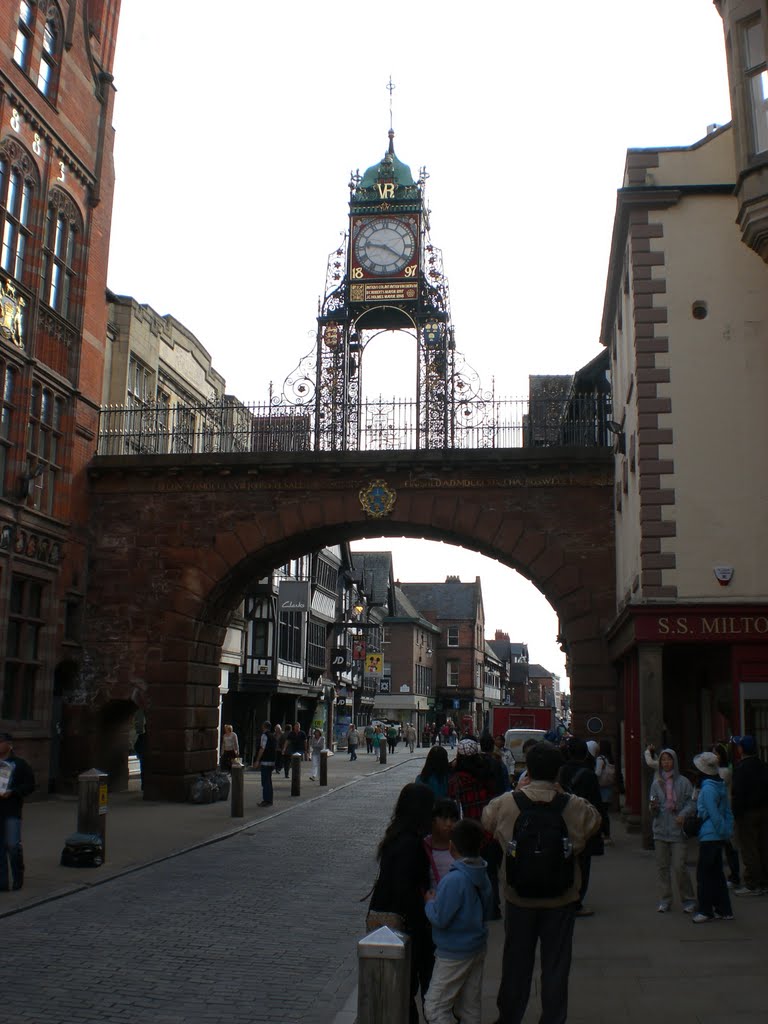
(524, 927)
(267, 792)
(456, 986)
(11, 851)
(353, 752)
(710, 881)
(670, 864)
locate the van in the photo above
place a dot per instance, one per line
(514, 740)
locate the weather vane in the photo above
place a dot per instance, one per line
(390, 89)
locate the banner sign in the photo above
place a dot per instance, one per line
(293, 596)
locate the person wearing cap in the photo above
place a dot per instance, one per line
(17, 781)
(713, 808)
(749, 790)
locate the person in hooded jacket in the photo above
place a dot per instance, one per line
(671, 800)
(458, 912)
(714, 810)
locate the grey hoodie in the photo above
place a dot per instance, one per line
(665, 828)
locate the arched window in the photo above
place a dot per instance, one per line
(48, 75)
(61, 252)
(25, 31)
(17, 184)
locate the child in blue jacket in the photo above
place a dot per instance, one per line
(716, 829)
(458, 912)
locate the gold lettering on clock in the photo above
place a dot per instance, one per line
(386, 189)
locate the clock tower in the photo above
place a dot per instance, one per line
(385, 276)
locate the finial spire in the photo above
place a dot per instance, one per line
(391, 89)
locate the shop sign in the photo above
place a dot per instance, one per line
(701, 627)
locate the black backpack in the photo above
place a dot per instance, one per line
(539, 859)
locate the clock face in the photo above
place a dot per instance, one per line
(385, 245)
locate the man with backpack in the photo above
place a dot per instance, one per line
(541, 830)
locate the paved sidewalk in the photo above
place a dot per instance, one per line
(634, 965)
(140, 832)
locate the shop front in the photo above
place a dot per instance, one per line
(690, 676)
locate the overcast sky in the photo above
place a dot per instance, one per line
(236, 138)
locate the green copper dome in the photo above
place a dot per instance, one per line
(389, 168)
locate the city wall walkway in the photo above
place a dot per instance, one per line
(630, 964)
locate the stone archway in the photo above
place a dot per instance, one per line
(174, 542)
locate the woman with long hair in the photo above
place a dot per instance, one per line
(435, 772)
(404, 879)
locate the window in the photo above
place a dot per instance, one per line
(60, 255)
(289, 643)
(316, 645)
(22, 660)
(8, 385)
(46, 412)
(452, 673)
(15, 210)
(756, 81)
(24, 32)
(48, 75)
(452, 636)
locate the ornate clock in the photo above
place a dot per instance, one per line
(384, 246)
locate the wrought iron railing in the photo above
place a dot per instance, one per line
(384, 425)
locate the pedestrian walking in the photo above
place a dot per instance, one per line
(410, 737)
(279, 745)
(392, 737)
(546, 920)
(605, 770)
(377, 739)
(17, 781)
(750, 811)
(458, 912)
(353, 741)
(230, 748)
(369, 731)
(404, 879)
(577, 776)
(671, 802)
(714, 811)
(265, 762)
(317, 746)
(297, 742)
(435, 772)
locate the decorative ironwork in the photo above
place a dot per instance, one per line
(226, 425)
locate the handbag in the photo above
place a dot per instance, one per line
(692, 826)
(384, 918)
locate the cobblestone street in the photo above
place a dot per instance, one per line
(259, 928)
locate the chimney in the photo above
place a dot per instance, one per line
(501, 635)
(452, 579)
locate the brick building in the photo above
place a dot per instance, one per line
(56, 187)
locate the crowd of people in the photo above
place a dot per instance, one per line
(470, 836)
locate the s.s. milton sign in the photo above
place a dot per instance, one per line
(703, 627)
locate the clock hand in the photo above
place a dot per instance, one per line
(385, 248)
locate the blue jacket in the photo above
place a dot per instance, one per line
(460, 909)
(715, 812)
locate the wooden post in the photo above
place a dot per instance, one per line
(323, 767)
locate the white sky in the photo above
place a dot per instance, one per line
(235, 142)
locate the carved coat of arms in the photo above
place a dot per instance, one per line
(377, 499)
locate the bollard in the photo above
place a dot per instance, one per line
(384, 977)
(323, 767)
(296, 774)
(92, 806)
(382, 751)
(237, 769)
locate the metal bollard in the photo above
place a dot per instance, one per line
(384, 977)
(382, 751)
(92, 805)
(296, 774)
(238, 780)
(323, 767)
